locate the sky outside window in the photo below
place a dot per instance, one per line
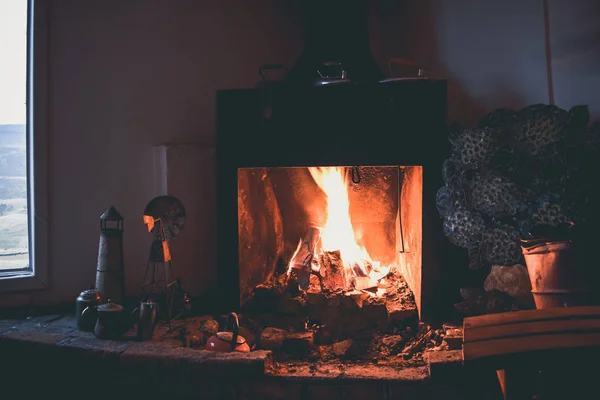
(14, 221)
(13, 61)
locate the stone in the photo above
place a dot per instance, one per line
(246, 334)
(445, 327)
(43, 319)
(272, 338)
(377, 314)
(400, 313)
(326, 352)
(93, 346)
(341, 349)
(274, 390)
(37, 337)
(513, 280)
(298, 344)
(394, 342)
(212, 364)
(267, 297)
(316, 299)
(444, 366)
(417, 344)
(334, 300)
(149, 355)
(8, 325)
(323, 335)
(291, 305)
(453, 338)
(46, 327)
(209, 328)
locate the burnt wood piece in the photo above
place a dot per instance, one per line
(517, 345)
(417, 345)
(303, 262)
(332, 271)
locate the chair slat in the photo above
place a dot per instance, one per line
(531, 315)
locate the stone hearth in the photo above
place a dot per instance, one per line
(61, 358)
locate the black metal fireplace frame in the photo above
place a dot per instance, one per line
(373, 124)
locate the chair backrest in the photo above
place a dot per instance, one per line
(505, 339)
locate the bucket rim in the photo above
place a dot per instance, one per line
(548, 247)
(551, 292)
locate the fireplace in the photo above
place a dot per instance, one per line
(333, 192)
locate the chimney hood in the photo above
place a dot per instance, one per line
(335, 31)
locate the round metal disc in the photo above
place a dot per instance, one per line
(169, 213)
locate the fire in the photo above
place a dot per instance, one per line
(337, 234)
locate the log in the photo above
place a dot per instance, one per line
(332, 271)
(303, 261)
(417, 345)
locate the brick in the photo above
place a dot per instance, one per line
(298, 344)
(445, 366)
(398, 313)
(272, 338)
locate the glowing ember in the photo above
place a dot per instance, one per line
(338, 234)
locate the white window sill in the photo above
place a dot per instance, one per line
(17, 281)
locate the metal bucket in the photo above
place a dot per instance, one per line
(556, 274)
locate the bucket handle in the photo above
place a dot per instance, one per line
(537, 248)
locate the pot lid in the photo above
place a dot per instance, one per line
(89, 294)
(110, 307)
(228, 337)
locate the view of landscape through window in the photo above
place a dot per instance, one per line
(14, 240)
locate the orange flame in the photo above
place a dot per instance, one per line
(338, 233)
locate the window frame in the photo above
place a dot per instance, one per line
(37, 276)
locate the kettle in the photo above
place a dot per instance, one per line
(147, 319)
(228, 341)
(332, 73)
(111, 320)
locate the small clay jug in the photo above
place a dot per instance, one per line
(228, 341)
(111, 320)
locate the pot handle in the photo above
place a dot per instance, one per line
(405, 62)
(88, 312)
(330, 64)
(272, 67)
(233, 323)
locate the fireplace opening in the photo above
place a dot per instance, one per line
(331, 253)
(331, 250)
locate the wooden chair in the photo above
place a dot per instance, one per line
(544, 354)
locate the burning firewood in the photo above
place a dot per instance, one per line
(303, 261)
(364, 283)
(332, 270)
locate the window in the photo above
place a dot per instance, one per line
(23, 210)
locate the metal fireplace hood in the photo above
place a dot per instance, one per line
(335, 31)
